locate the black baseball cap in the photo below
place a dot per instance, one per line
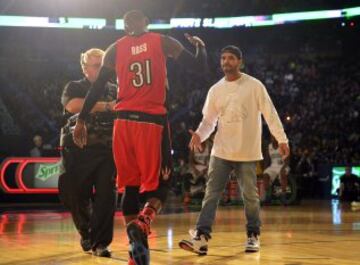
(232, 49)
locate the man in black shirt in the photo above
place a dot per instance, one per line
(91, 167)
(349, 186)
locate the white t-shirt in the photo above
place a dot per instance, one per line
(236, 108)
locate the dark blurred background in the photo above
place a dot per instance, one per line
(310, 68)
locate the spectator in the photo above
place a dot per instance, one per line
(349, 186)
(39, 148)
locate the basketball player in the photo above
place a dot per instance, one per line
(278, 167)
(140, 130)
(234, 104)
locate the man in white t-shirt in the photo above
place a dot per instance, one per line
(234, 104)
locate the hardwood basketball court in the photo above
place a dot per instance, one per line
(314, 233)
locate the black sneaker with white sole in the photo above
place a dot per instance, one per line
(101, 251)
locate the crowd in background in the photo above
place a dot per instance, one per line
(317, 96)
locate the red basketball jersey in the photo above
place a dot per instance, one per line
(141, 72)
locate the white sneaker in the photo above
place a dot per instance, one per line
(197, 244)
(252, 244)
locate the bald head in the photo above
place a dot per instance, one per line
(135, 22)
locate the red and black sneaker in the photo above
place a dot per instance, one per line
(131, 261)
(138, 231)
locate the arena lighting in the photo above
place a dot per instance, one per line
(248, 21)
(217, 22)
(262, 23)
(301, 16)
(159, 26)
(119, 25)
(50, 22)
(80, 23)
(255, 21)
(185, 22)
(278, 18)
(21, 21)
(351, 12)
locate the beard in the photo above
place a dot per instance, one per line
(228, 69)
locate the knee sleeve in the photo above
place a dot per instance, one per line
(130, 201)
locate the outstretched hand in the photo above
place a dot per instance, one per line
(195, 142)
(165, 172)
(284, 150)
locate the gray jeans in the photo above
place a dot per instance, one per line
(219, 171)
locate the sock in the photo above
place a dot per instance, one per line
(148, 214)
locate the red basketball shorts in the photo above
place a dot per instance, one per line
(137, 148)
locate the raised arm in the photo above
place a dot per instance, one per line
(174, 49)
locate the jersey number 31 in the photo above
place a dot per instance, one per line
(142, 73)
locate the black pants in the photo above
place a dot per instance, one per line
(92, 213)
